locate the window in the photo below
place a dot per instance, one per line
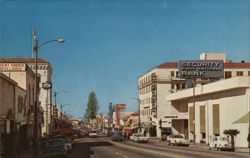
(248, 73)
(177, 86)
(228, 74)
(172, 73)
(239, 73)
(202, 119)
(177, 74)
(172, 86)
(216, 119)
(183, 86)
(191, 119)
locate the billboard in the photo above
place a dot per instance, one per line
(201, 69)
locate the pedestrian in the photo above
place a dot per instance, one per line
(124, 136)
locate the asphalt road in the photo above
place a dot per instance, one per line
(104, 148)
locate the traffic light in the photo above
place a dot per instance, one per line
(55, 112)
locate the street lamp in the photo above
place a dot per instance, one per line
(55, 98)
(58, 92)
(139, 110)
(35, 49)
(63, 106)
(62, 115)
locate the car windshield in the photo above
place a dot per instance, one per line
(177, 136)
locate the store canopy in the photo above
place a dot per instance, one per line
(243, 119)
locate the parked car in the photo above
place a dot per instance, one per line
(177, 140)
(93, 134)
(52, 148)
(219, 143)
(110, 133)
(138, 138)
(117, 137)
(61, 142)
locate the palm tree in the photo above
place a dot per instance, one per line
(232, 133)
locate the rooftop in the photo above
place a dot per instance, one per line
(22, 60)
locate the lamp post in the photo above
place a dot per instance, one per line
(139, 111)
(58, 92)
(35, 49)
(63, 106)
(55, 98)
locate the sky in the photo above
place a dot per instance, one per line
(110, 43)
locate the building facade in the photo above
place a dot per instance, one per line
(217, 107)
(158, 115)
(45, 75)
(14, 127)
(25, 78)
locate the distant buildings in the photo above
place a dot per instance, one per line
(166, 101)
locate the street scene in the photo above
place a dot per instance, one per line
(124, 79)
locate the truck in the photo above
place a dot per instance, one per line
(138, 138)
(219, 143)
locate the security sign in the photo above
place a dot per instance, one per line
(201, 69)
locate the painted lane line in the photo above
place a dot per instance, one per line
(125, 156)
(116, 153)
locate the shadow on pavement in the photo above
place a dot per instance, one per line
(83, 149)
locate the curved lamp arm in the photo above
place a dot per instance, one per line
(58, 40)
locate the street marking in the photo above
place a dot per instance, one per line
(125, 156)
(116, 153)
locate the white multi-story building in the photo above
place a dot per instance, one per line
(158, 114)
(45, 95)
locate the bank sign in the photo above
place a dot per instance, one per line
(201, 69)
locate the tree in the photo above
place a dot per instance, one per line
(232, 133)
(92, 106)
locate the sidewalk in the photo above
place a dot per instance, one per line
(26, 152)
(198, 145)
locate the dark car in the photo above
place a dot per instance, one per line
(49, 149)
(117, 137)
(110, 133)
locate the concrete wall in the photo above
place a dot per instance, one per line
(7, 96)
(21, 106)
(233, 98)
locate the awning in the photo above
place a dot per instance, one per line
(243, 119)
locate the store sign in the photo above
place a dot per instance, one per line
(201, 69)
(47, 85)
(12, 67)
(171, 116)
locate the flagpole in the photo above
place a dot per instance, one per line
(33, 37)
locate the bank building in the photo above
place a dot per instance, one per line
(172, 105)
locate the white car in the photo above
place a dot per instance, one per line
(177, 140)
(93, 134)
(138, 138)
(219, 143)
